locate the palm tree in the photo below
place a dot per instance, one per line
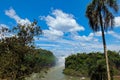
(101, 18)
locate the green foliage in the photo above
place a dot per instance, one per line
(27, 32)
(99, 14)
(92, 64)
(19, 58)
(72, 72)
(101, 18)
(17, 61)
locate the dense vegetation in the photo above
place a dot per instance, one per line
(92, 64)
(19, 57)
(101, 18)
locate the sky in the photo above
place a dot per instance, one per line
(64, 24)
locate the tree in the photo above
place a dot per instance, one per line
(18, 55)
(26, 33)
(98, 71)
(3, 31)
(92, 64)
(101, 18)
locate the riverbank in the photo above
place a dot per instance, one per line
(92, 64)
(55, 73)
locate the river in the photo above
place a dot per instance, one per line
(56, 73)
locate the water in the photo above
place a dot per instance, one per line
(55, 73)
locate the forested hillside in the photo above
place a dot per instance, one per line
(19, 56)
(92, 64)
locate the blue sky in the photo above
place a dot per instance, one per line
(65, 27)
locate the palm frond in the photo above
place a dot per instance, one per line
(101, 6)
(113, 4)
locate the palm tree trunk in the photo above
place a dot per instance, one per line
(105, 48)
(106, 55)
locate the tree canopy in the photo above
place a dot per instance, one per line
(18, 55)
(92, 65)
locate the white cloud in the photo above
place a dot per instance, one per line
(62, 21)
(85, 38)
(64, 46)
(78, 46)
(12, 14)
(3, 26)
(47, 45)
(53, 34)
(114, 34)
(99, 33)
(117, 21)
(114, 47)
(24, 22)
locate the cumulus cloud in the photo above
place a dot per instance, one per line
(114, 34)
(12, 14)
(117, 21)
(99, 33)
(60, 22)
(74, 46)
(85, 38)
(114, 47)
(53, 34)
(3, 26)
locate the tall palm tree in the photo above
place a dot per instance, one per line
(101, 18)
